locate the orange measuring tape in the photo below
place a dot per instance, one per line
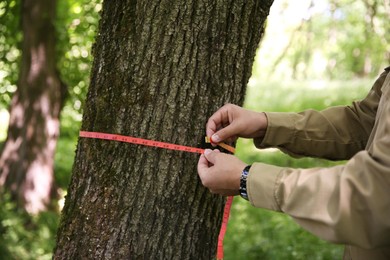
(176, 147)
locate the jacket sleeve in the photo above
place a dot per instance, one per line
(347, 204)
(336, 133)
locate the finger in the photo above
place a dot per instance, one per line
(203, 166)
(225, 134)
(211, 127)
(218, 120)
(203, 169)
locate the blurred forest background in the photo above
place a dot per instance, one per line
(315, 53)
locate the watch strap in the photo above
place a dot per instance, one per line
(243, 180)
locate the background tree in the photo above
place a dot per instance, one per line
(160, 70)
(27, 158)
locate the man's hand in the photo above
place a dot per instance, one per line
(220, 172)
(231, 122)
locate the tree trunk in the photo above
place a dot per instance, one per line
(160, 70)
(26, 163)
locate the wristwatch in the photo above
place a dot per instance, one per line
(244, 177)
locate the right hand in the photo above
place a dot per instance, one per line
(231, 122)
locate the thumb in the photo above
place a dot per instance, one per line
(211, 155)
(223, 134)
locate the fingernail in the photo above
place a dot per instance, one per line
(207, 151)
(215, 138)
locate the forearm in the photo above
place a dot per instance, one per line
(345, 204)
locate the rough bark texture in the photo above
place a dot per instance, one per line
(26, 162)
(161, 68)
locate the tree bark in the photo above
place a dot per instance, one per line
(26, 162)
(160, 69)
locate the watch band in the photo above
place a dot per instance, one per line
(243, 179)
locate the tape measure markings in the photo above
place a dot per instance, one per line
(222, 231)
(141, 141)
(176, 147)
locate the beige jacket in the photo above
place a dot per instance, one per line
(348, 204)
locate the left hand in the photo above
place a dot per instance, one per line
(220, 172)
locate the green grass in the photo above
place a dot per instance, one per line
(292, 96)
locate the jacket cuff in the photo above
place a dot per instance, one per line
(262, 183)
(280, 130)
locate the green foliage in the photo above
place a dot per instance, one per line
(361, 42)
(76, 28)
(23, 236)
(76, 25)
(333, 39)
(10, 37)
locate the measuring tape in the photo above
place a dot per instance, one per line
(222, 231)
(141, 141)
(176, 147)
